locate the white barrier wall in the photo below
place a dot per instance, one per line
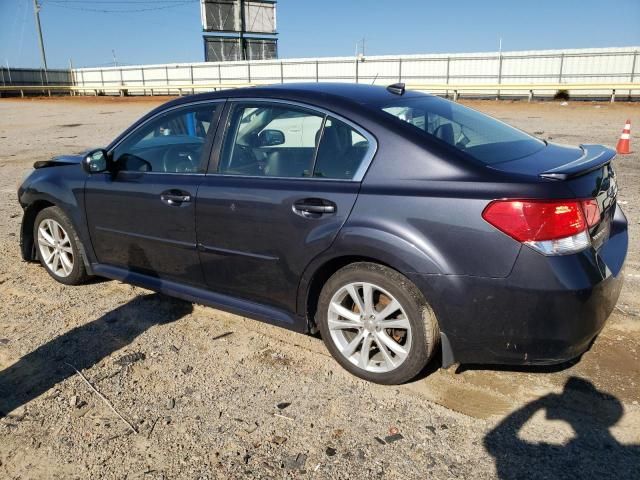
(598, 65)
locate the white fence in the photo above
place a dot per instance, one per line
(544, 71)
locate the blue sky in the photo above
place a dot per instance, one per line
(313, 28)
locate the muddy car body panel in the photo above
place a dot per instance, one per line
(417, 205)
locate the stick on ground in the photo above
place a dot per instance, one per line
(103, 398)
(152, 427)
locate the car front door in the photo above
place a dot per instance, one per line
(285, 182)
(141, 215)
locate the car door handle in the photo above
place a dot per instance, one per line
(317, 208)
(313, 207)
(175, 197)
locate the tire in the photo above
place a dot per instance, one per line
(415, 338)
(60, 238)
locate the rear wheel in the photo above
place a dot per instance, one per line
(376, 323)
(58, 247)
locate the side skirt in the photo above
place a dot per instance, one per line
(189, 293)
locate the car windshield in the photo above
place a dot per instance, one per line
(482, 137)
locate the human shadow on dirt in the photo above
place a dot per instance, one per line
(592, 453)
(83, 347)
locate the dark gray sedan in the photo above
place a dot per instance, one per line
(397, 224)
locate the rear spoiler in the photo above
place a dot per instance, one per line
(592, 158)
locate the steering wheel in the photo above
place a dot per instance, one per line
(181, 158)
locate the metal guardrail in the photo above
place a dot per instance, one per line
(530, 88)
(122, 90)
(610, 88)
(180, 88)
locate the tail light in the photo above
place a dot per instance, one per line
(552, 227)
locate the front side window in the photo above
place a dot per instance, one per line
(277, 140)
(482, 137)
(173, 142)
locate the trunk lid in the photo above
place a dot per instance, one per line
(593, 158)
(559, 162)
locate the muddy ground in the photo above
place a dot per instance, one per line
(212, 395)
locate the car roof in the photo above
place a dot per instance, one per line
(349, 99)
(344, 93)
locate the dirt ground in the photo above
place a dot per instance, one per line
(212, 395)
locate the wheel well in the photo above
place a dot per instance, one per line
(323, 274)
(27, 242)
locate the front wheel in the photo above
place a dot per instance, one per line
(59, 247)
(376, 323)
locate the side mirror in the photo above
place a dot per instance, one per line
(96, 161)
(271, 138)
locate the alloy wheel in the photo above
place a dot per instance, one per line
(369, 327)
(55, 247)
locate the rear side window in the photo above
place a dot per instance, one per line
(482, 137)
(340, 152)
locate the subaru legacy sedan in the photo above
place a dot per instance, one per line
(401, 226)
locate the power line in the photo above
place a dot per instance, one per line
(121, 1)
(109, 64)
(68, 5)
(24, 22)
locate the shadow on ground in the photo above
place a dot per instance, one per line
(83, 347)
(554, 368)
(592, 453)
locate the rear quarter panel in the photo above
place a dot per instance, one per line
(420, 207)
(425, 205)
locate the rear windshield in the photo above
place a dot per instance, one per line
(482, 137)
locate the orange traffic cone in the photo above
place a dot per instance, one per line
(624, 144)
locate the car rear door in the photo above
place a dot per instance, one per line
(284, 183)
(141, 216)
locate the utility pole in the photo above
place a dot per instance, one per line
(36, 12)
(115, 60)
(243, 48)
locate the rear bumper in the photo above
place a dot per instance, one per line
(547, 311)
